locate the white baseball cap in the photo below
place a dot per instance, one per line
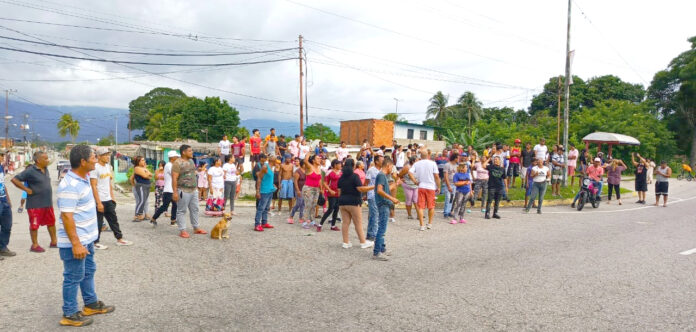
(172, 154)
(597, 159)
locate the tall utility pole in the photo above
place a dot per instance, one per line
(301, 92)
(396, 109)
(116, 131)
(558, 113)
(7, 116)
(129, 127)
(567, 100)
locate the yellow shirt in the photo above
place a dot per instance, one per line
(268, 138)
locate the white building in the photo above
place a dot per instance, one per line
(411, 131)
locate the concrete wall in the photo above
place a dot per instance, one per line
(401, 131)
(435, 146)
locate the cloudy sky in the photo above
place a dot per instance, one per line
(361, 54)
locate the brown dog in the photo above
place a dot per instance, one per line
(220, 230)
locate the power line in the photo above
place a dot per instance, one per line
(147, 63)
(148, 53)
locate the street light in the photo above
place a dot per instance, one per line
(396, 109)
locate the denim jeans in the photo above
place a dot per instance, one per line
(187, 201)
(538, 188)
(448, 200)
(381, 229)
(263, 205)
(77, 273)
(372, 216)
(5, 224)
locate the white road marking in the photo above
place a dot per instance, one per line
(688, 252)
(671, 201)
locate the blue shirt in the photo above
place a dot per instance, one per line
(3, 190)
(267, 181)
(465, 189)
(75, 196)
(381, 201)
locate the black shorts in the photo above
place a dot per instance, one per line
(661, 188)
(513, 170)
(239, 159)
(641, 186)
(254, 158)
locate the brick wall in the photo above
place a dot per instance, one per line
(377, 132)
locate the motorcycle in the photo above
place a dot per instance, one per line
(588, 193)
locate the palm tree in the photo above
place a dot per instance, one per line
(438, 108)
(468, 103)
(68, 126)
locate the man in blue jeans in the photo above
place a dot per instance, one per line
(371, 177)
(5, 214)
(385, 201)
(77, 231)
(264, 194)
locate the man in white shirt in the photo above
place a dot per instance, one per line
(224, 148)
(167, 192)
(428, 177)
(541, 150)
(304, 148)
(101, 181)
(341, 152)
(294, 147)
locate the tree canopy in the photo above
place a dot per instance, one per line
(321, 132)
(140, 107)
(67, 125)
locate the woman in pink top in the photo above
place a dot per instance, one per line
(312, 188)
(614, 170)
(360, 171)
(159, 184)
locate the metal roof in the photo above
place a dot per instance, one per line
(610, 138)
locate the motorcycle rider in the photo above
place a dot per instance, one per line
(594, 172)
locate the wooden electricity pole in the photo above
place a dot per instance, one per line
(558, 113)
(567, 100)
(301, 92)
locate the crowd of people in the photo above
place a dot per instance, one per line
(309, 181)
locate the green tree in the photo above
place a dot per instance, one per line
(139, 108)
(322, 132)
(107, 141)
(205, 120)
(67, 125)
(673, 93)
(478, 142)
(469, 105)
(392, 117)
(438, 109)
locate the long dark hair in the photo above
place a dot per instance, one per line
(348, 166)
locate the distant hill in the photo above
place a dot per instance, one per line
(97, 122)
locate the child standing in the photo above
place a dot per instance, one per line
(384, 201)
(462, 181)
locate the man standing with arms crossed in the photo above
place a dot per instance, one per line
(428, 184)
(77, 231)
(167, 191)
(184, 186)
(39, 199)
(100, 180)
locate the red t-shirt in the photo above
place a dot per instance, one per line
(237, 149)
(515, 159)
(255, 143)
(332, 181)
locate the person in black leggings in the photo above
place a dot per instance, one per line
(331, 186)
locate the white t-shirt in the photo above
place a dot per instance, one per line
(168, 178)
(341, 153)
(304, 149)
(400, 159)
(230, 172)
(425, 171)
(224, 147)
(216, 177)
(542, 172)
(540, 151)
(293, 148)
(103, 175)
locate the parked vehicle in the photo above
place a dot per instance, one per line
(589, 193)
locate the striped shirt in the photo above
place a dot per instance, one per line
(75, 196)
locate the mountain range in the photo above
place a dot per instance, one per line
(97, 122)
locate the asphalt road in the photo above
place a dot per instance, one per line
(613, 268)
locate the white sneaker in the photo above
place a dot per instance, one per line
(380, 257)
(430, 226)
(123, 242)
(347, 245)
(367, 244)
(100, 246)
(392, 220)
(422, 228)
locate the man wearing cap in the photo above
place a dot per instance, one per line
(101, 182)
(514, 167)
(39, 199)
(167, 192)
(594, 172)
